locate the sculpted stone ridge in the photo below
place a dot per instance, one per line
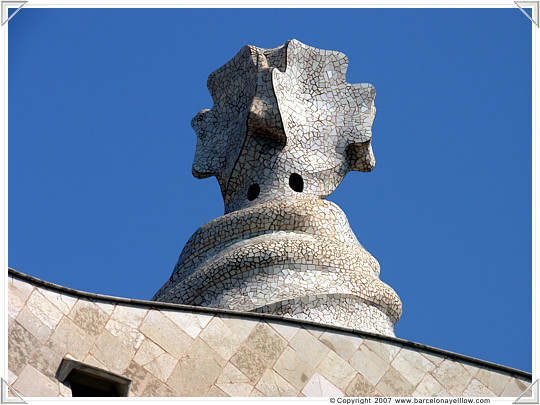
(316, 216)
(284, 130)
(281, 111)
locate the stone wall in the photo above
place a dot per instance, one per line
(178, 350)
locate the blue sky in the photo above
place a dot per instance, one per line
(101, 196)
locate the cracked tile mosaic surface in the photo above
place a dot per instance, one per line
(284, 130)
(178, 352)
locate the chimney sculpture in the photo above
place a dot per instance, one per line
(284, 130)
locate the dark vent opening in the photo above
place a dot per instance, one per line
(90, 381)
(296, 182)
(253, 192)
(91, 386)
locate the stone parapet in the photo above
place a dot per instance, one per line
(178, 350)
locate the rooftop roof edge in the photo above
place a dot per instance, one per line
(167, 305)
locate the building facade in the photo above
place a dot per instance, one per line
(151, 349)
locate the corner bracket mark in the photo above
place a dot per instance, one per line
(529, 4)
(5, 9)
(15, 398)
(529, 400)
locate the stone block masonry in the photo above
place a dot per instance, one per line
(177, 350)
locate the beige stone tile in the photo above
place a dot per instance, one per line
(89, 359)
(433, 357)
(15, 304)
(394, 384)
(89, 317)
(162, 366)
(216, 392)
(106, 307)
(191, 323)
(318, 386)
(221, 338)
(129, 336)
(20, 288)
(165, 333)
(367, 363)
(112, 353)
(139, 378)
(361, 387)
(201, 357)
(155, 360)
(187, 381)
(32, 383)
(44, 310)
(233, 382)
(63, 302)
(430, 387)
(311, 349)
(11, 377)
(385, 350)
(21, 347)
(294, 368)
(494, 380)
(256, 393)
(314, 330)
(477, 389)
(412, 365)
(266, 342)
(515, 388)
(336, 370)
(272, 384)
(344, 344)
(285, 329)
(242, 327)
(70, 338)
(249, 363)
(129, 315)
(473, 369)
(147, 352)
(33, 325)
(452, 376)
(46, 362)
(155, 388)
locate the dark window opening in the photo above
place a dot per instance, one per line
(80, 390)
(89, 381)
(90, 386)
(296, 182)
(253, 192)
